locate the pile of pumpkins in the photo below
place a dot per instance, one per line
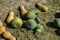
(28, 18)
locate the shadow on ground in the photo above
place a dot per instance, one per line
(52, 24)
(57, 15)
(57, 32)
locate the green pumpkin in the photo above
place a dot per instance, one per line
(39, 29)
(17, 22)
(57, 22)
(31, 24)
(37, 19)
(34, 11)
(32, 14)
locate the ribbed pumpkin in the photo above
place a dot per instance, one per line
(31, 24)
(31, 15)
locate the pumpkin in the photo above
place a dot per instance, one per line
(39, 29)
(2, 28)
(42, 7)
(31, 24)
(30, 15)
(7, 35)
(22, 10)
(10, 17)
(17, 22)
(57, 22)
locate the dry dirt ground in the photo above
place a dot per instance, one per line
(47, 19)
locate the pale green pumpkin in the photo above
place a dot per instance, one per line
(17, 22)
(39, 29)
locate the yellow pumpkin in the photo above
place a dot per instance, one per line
(23, 11)
(7, 35)
(42, 7)
(10, 16)
(2, 28)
